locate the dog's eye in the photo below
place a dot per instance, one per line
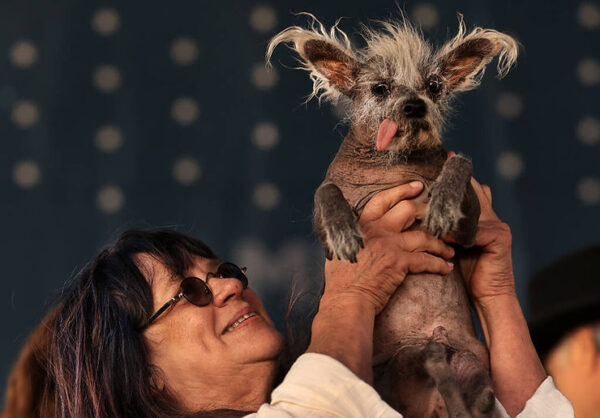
(434, 87)
(381, 89)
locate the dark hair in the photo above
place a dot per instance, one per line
(97, 361)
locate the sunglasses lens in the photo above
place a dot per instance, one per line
(196, 291)
(231, 270)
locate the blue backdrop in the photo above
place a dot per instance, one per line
(125, 114)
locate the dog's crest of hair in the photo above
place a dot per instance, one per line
(396, 50)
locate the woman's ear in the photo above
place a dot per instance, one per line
(327, 56)
(463, 59)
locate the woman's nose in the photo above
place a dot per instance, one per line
(224, 289)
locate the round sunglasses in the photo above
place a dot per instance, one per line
(197, 292)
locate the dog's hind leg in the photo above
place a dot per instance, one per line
(336, 223)
(475, 383)
(440, 371)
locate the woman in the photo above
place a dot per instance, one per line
(157, 326)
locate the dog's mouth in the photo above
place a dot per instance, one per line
(387, 131)
(418, 133)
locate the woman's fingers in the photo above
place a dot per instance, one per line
(383, 201)
(421, 241)
(402, 215)
(426, 263)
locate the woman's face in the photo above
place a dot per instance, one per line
(203, 340)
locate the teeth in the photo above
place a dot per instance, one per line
(239, 321)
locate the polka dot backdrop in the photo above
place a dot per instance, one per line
(117, 115)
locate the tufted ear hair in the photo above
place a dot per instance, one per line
(463, 59)
(327, 56)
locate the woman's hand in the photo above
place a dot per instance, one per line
(488, 269)
(390, 252)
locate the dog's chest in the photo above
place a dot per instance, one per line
(361, 178)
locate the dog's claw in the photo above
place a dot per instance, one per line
(345, 240)
(443, 212)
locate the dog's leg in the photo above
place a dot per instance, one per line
(453, 205)
(475, 383)
(336, 224)
(440, 371)
(465, 231)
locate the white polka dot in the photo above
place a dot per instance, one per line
(185, 110)
(110, 199)
(263, 19)
(509, 105)
(588, 130)
(107, 78)
(588, 71)
(25, 113)
(510, 165)
(425, 15)
(186, 171)
(588, 15)
(266, 196)
(106, 21)
(262, 78)
(265, 135)
(588, 190)
(23, 54)
(26, 174)
(184, 51)
(108, 138)
(343, 108)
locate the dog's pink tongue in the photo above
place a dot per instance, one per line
(387, 130)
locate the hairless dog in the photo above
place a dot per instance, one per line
(427, 360)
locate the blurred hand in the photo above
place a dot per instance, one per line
(487, 268)
(390, 252)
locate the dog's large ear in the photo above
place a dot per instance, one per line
(327, 56)
(463, 59)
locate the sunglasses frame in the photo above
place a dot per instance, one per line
(241, 276)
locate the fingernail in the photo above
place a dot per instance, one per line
(415, 184)
(451, 265)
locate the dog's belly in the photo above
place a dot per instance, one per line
(427, 307)
(430, 308)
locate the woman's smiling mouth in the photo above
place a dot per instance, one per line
(239, 321)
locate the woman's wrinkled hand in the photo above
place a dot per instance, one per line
(487, 268)
(390, 251)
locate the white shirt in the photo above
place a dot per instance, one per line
(320, 386)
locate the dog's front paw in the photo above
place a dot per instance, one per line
(443, 211)
(344, 239)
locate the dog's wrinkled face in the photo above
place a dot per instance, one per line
(400, 87)
(400, 111)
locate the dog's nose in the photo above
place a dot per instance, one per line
(414, 108)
